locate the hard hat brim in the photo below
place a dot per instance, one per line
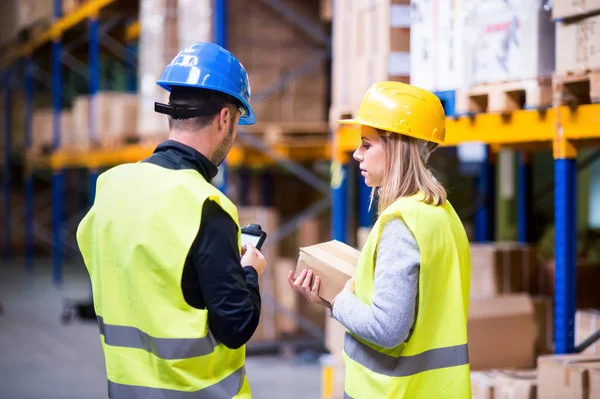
(360, 122)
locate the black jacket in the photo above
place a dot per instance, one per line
(213, 278)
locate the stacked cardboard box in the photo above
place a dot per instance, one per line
(502, 268)
(115, 119)
(42, 130)
(271, 48)
(569, 376)
(505, 384)
(437, 45)
(587, 322)
(577, 35)
(371, 42)
(167, 27)
(507, 40)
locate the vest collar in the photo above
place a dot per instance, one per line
(188, 158)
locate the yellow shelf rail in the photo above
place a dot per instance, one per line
(88, 10)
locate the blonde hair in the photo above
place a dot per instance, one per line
(405, 171)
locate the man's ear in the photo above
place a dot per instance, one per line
(224, 120)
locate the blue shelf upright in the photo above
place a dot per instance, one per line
(29, 89)
(57, 177)
(486, 213)
(525, 198)
(7, 160)
(565, 193)
(339, 201)
(365, 216)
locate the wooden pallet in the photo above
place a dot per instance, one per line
(287, 133)
(505, 96)
(577, 88)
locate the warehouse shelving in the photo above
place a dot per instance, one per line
(563, 129)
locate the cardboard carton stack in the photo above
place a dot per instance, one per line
(577, 35)
(505, 384)
(371, 42)
(587, 322)
(42, 132)
(167, 27)
(569, 376)
(115, 119)
(271, 47)
(437, 45)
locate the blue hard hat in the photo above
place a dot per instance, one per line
(209, 66)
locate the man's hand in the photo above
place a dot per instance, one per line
(253, 257)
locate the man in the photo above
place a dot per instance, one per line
(174, 301)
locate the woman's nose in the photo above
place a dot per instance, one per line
(357, 155)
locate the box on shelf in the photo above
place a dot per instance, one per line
(588, 275)
(371, 42)
(334, 262)
(115, 121)
(516, 384)
(577, 44)
(544, 315)
(42, 133)
(483, 384)
(507, 41)
(501, 268)
(491, 330)
(272, 48)
(567, 376)
(587, 322)
(574, 8)
(168, 27)
(436, 43)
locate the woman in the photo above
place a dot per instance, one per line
(405, 310)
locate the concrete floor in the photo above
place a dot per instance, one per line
(41, 358)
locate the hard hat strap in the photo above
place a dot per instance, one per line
(185, 112)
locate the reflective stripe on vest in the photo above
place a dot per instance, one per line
(404, 366)
(227, 388)
(165, 348)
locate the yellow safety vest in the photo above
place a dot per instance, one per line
(433, 362)
(134, 242)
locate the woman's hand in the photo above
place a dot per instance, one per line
(303, 285)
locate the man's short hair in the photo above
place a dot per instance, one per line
(210, 100)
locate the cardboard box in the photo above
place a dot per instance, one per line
(116, 118)
(333, 261)
(594, 372)
(507, 40)
(493, 342)
(483, 384)
(565, 376)
(573, 8)
(544, 316)
(502, 268)
(587, 322)
(371, 43)
(588, 275)
(577, 44)
(516, 384)
(436, 42)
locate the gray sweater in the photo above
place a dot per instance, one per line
(389, 320)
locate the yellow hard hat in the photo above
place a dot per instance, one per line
(401, 108)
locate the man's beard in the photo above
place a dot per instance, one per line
(224, 147)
